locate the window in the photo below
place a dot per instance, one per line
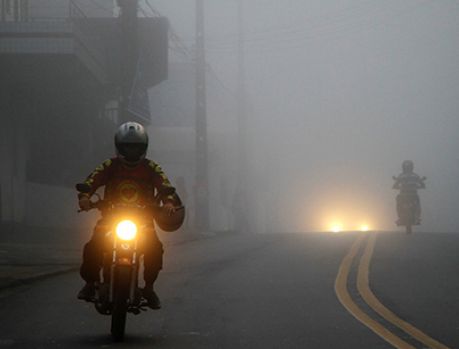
(14, 10)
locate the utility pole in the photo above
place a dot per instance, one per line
(241, 213)
(201, 182)
(241, 95)
(129, 53)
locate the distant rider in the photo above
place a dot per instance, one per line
(129, 178)
(408, 183)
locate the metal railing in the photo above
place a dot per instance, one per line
(14, 10)
(75, 11)
(69, 34)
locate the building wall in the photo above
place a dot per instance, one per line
(51, 206)
(12, 177)
(54, 129)
(47, 144)
(32, 204)
(14, 154)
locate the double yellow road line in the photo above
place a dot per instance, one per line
(363, 287)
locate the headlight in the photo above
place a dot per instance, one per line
(336, 228)
(126, 230)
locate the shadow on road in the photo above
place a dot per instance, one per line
(105, 341)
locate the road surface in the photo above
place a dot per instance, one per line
(286, 290)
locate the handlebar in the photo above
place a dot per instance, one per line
(94, 205)
(101, 204)
(104, 204)
(423, 178)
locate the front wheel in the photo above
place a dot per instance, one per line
(120, 303)
(118, 322)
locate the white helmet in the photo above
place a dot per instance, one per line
(131, 142)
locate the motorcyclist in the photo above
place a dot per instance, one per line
(408, 183)
(129, 178)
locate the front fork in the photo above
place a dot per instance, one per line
(124, 260)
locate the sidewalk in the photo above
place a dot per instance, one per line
(22, 263)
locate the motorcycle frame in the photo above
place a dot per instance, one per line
(117, 262)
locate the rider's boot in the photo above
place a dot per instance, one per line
(152, 298)
(88, 292)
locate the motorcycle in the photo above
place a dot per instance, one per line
(118, 292)
(408, 210)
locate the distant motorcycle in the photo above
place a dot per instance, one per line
(407, 216)
(118, 292)
(408, 210)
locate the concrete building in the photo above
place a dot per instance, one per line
(61, 70)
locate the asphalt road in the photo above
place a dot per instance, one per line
(257, 291)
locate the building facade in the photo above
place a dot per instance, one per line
(62, 69)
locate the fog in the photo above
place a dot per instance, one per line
(339, 93)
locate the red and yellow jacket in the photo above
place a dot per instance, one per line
(129, 185)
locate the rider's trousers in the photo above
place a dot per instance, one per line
(94, 250)
(413, 196)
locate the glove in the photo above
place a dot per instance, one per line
(84, 203)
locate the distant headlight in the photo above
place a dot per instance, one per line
(336, 228)
(126, 230)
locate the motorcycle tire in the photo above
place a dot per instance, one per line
(120, 302)
(409, 229)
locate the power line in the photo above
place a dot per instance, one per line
(288, 30)
(176, 40)
(211, 70)
(181, 48)
(322, 31)
(142, 10)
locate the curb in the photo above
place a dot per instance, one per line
(37, 277)
(64, 270)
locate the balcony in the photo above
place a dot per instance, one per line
(54, 37)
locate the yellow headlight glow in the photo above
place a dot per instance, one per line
(126, 230)
(364, 227)
(336, 228)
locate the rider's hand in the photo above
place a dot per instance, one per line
(84, 203)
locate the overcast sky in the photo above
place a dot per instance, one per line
(339, 94)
